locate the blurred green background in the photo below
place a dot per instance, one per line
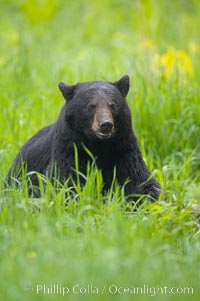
(44, 42)
(156, 42)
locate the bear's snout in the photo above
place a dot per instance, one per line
(103, 123)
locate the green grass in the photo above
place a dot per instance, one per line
(89, 242)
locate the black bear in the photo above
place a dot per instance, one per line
(95, 116)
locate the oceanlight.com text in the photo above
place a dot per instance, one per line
(110, 289)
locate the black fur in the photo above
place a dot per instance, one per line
(54, 144)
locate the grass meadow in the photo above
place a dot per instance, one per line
(91, 250)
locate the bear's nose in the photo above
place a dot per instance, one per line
(106, 127)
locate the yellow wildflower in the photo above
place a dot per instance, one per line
(173, 61)
(184, 62)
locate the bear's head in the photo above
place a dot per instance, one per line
(98, 109)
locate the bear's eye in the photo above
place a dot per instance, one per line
(112, 105)
(91, 106)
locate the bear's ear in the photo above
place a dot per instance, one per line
(67, 90)
(123, 85)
